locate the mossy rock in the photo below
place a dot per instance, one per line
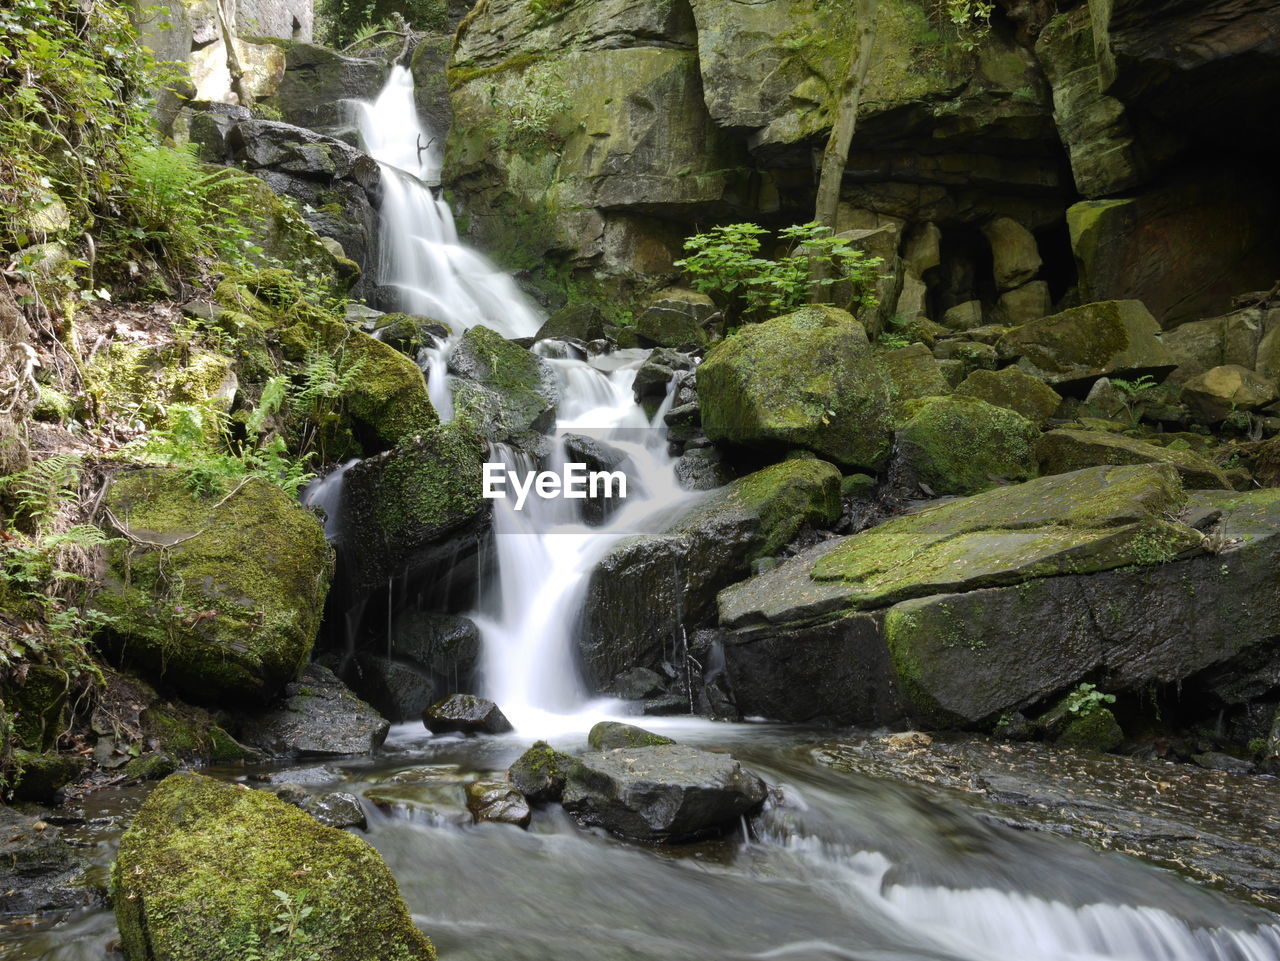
(539, 773)
(151, 767)
(221, 597)
(38, 705)
(915, 373)
(505, 389)
(1060, 451)
(43, 775)
(806, 380)
(390, 401)
(607, 735)
(962, 445)
(146, 378)
(1096, 730)
(1014, 390)
(196, 875)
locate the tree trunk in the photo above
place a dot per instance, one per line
(17, 385)
(233, 59)
(836, 157)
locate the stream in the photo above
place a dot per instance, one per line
(839, 865)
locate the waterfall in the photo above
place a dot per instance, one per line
(544, 553)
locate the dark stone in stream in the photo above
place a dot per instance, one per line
(608, 735)
(539, 773)
(664, 793)
(336, 810)
(497, 801)
(467, 714)
(39, 871)
(1217, 761)
(397, 690)
(320, 717)
(666, 705)
(638, 683)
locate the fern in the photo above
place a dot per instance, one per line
(45, 487)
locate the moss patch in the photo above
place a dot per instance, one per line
(962, 445)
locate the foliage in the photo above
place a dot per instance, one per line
(971, 20)
(725, 263)
(530, 107)
(548, 8)
(340, 23)
(1086, 699)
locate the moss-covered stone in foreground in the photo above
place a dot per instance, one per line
(196, 874)
(962, 445)
(221, 597)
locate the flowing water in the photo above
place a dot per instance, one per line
(838, 865)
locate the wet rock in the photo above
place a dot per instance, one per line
(638, 683)
(39, 871)
(336, 810)
(497, 801)
(396, 690)
(704, 469)
(194, 834)
(447, 645)
(656, 373)
(466, 714)
(539, 773)
(319, 85)
(507, 389)
(44, 775)
(607, 735)
(962, 445)
(667, 705)
(1076, 347)
(1060, 451)
(1216, 761)
(663, 793)
(220, 597)
(1012, 389)
(807, 380)
(320, 717)
(583, 322)
(151, 767)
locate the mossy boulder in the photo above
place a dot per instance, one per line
(406, 506)
(37, 705)
(196, 875)
(539, 773)
(914, 372)
(807, 380)
(607, 735)
(1221, 391)
(503, 388)
(147, 379)
(390, 402)
(1091, 520)
(1014, 390)
(1113, 338)
(962, 445)
(1062, 451)
(42, 776)
(581, 321)
(219, 596)
(649, 590)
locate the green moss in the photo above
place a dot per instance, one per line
(1095, 730)
(962, 445)
(1012, 389)
(1060, 451)
(196, 874)
(38, 705)
(151, 767)
(41, 776)
(608, 735)
(221, 597)
(146, 379)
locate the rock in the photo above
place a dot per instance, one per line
(319, 84)
(1014, 252)
(391, 405)
(1012, 389)
(37, 703)
(497, 801)
(337, 809)
(704, 469)
(539, 773)
(445, 644)
(964, 316)
(583, 322)
(662, 794)
(43, 775)
(962, 445)
(506, 389)
(676, 319)
(1091, 520)
(648, 590)
(151, 767)
(858, 485)
(398, 691)
(1076, 347)
(914, 372)
(150, 379)
(806, 380)
(1061, 451)
(638, 683)
(39, 870)
(466, 714)
(409, 507)
(295, 150)
(1231, 339)
(608, 735)
(202, 861)
(219, 596)
(656, 373)
(1024, 304)
(320, 717)
(1216, 394)
(1217, 761)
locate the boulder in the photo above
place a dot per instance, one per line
(806, 380)
(1091, 520)
(1015, 255)
(1232, 338)
(220, 596)
(608, 735)
(397, 690)
(505, 389)
(965, 316)
(1076, 347)
(914, 372)
(1218, 393)
(391, 404)
(584, 322)
(1014, 390)
(656, 373)
(704, 469)
(962, 445)
(648, 590)
(676, 318)
(1062, 451)
(661, 794)
(1023, 304)
(42, 776)
(212, 865)
(539, 773)
(39, 870)
(465, 714)
(319, 85)
(445, 644)
(320, 717)
(499, 802)
(337, 809)
(408, 508)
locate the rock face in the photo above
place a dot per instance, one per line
(1076, 347)
(663, 793)
(465, 714)
(807, 380)
(962, 445)
(648, 590)
(220, 597)
(319, 718)
(319, 83)
(202, 860)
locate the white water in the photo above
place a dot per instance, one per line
(544, 552)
